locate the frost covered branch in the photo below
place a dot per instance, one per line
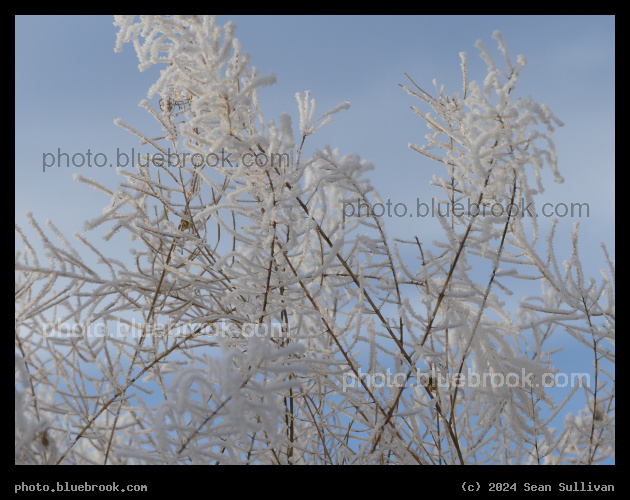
(253, 321)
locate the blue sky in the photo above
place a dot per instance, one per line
(71, 86)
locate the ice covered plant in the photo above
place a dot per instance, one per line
(256, 324)
(491, 144)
